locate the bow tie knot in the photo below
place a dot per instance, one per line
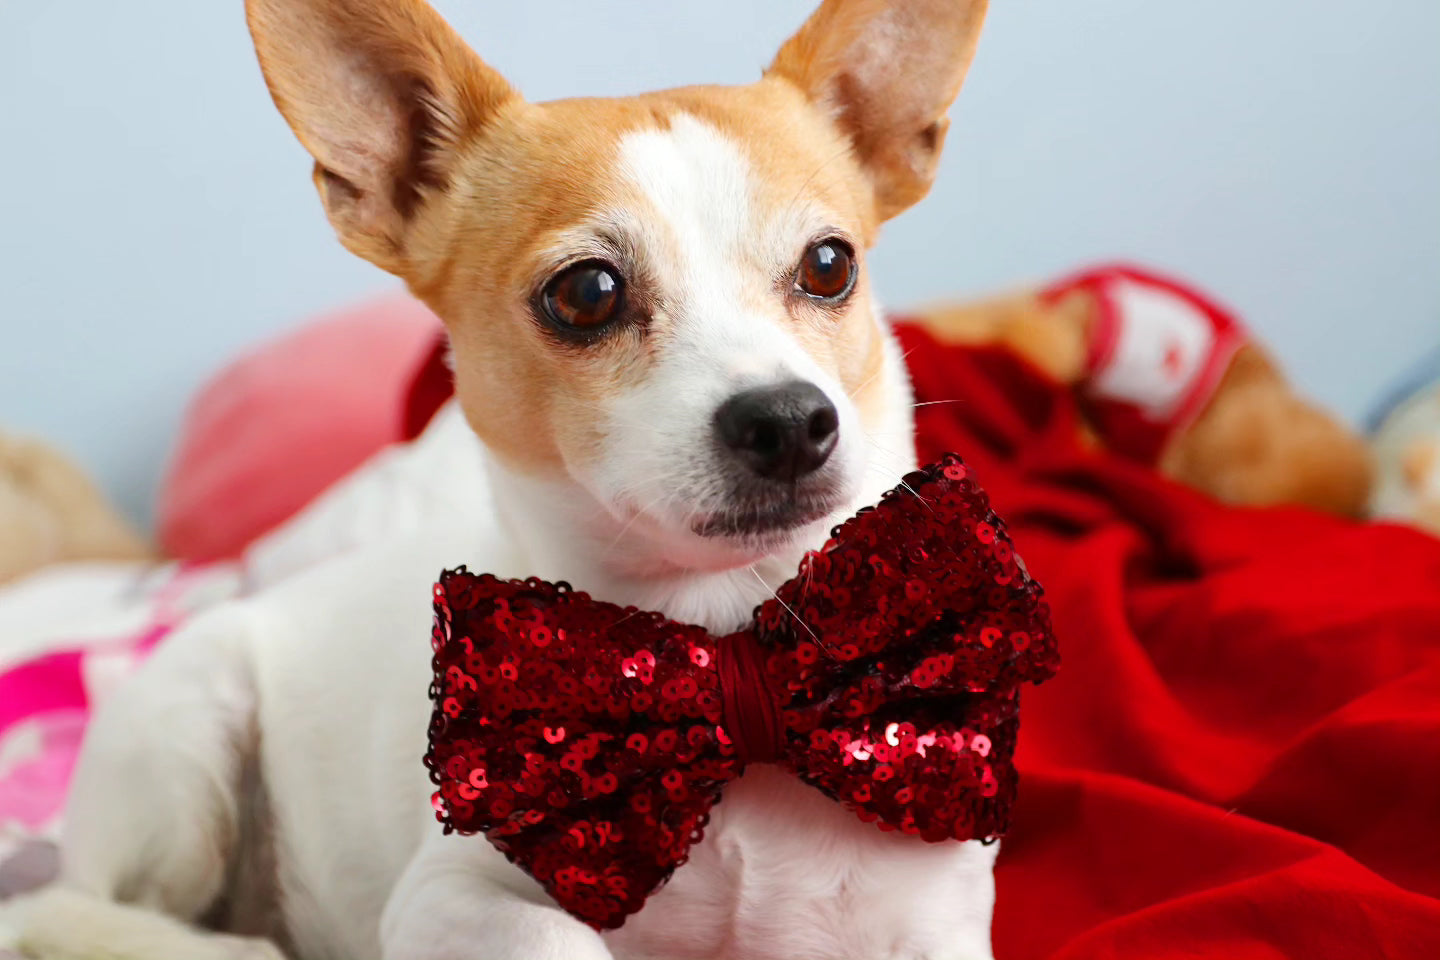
(750, 708)
(589, 742)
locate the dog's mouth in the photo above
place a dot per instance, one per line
(764, 519)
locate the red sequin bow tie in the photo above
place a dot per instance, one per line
(588, 742)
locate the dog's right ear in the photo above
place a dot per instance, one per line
(382, 93)
(886, 71)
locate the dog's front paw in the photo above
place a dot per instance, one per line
(564, 940)
(9, 936)
(490, 951)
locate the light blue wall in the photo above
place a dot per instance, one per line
(156, 215)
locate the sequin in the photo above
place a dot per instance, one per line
(589, 742)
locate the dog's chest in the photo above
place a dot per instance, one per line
(784, 872)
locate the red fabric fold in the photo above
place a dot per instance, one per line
(1241, 755)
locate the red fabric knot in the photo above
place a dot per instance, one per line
(751, 708)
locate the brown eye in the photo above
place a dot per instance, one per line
(583, 297)
(827, 271)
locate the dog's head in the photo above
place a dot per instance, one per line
(661, 299)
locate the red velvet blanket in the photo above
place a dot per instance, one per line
(1240, 757)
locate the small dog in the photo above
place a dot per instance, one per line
(665, 337)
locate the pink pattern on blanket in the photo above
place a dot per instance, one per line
(34, 784)
(44, 707)
(46, 701)
(45, 684)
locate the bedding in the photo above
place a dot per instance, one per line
(67, 635)
(1239, 759)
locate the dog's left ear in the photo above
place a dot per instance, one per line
(887, 72)
(384, 95)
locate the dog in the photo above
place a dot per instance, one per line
(665, 337)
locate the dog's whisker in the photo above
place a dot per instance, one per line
(872, 378)
(885, 451)
(903, 485)
(916, 494)
(624, 530)
(795, 616)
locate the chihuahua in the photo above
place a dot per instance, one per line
(665, 337)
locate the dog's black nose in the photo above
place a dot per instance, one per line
(781, 432)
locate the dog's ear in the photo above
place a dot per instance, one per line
(382, 93)
(887, 72)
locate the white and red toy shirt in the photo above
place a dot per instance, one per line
(1156, 355)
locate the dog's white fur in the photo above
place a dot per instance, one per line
(268, 757)
(322, 681)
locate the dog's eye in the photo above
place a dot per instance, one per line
(583, 297)
(827, 272)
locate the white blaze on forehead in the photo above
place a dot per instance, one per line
(715, 251)
(698, 183)
(712, 243)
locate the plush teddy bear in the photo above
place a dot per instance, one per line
(1407, 454)
(1422, 477)
(50, 512)
(1168, 377)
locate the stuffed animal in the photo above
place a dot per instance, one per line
(1168, 377)
(1422, 477)
(50, 512)
(1406, 441)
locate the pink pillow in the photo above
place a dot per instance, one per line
(279, 425)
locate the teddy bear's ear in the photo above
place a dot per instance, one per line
(26, 534)
(50, 511)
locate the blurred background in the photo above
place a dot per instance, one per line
(156, 215)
